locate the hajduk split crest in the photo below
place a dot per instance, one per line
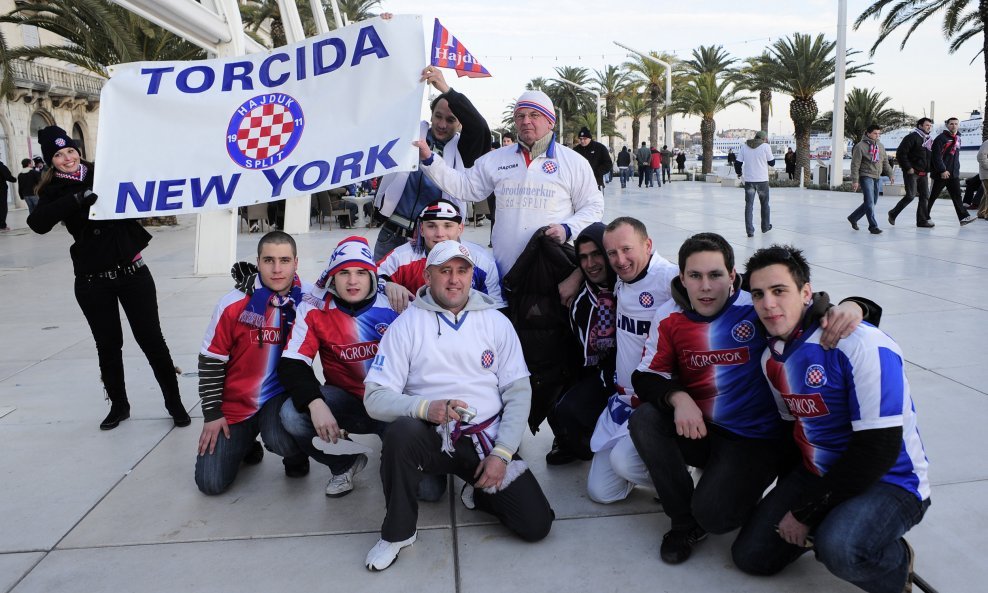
(264, 130)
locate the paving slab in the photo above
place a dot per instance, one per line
(15, 566)
(261, 503)
(617, 554)
(54, 474)
(317, 563)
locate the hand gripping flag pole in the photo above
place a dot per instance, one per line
(448, 52)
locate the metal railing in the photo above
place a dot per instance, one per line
(54, 80)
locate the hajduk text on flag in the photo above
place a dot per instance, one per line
(186, 137)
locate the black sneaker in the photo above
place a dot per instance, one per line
(255, 454)
(558, 455)
(296, 467)
(677, 545)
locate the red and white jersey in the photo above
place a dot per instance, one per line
(636, 305)
(346, 343)
(251, 356)
(406, 266)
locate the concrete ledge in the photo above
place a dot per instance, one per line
(678, 177)
(731, 182)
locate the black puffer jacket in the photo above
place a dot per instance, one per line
(100, 245)
(542, 322)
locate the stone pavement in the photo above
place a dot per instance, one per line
(86, 511)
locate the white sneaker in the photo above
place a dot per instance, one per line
(466, 496)
(342, 484)
(968, 220)
(384, 553)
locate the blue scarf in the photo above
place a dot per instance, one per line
(261, 296)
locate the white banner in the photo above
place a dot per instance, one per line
(185, 137)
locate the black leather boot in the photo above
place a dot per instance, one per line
(118, 413)
(173, 403)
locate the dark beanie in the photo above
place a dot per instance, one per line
(584, 133)
(53, 139)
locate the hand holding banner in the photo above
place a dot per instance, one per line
(186, 137)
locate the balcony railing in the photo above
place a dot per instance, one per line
(57, 82)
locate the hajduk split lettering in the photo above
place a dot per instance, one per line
(264, 130)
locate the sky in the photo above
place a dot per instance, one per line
(519, 40)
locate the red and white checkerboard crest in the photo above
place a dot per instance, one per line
(60, 142)
(264, 130)
(646, 299)
(487, 359)
(381, 328)
(743, 331)
(550, 167)
(816, 376)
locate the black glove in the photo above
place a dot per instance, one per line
(244, 273)
(86, 198)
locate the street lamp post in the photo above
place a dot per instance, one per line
(596, 97)
(837, 143)
(667, 121)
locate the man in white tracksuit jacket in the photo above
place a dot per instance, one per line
(554, 188)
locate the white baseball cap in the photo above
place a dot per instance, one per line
(447, 250)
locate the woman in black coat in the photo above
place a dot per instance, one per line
(109, 272)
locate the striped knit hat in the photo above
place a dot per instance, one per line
(352, 252)
(539, 101)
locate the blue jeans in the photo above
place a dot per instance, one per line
(667, 172)
(869, 189)
(750, 189)
(216, 471)
(387, 241)
(658, 177)
(625, 176)
(860, 540)
(350, 416)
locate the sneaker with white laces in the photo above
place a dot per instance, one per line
(342, 484)
(384, 553)
(968, 220)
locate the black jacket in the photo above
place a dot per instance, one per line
(551, 350)
(475, 134)
(583, 313)
(624, 158)
(912, 155)
(100, 245)
(4, 177)
(27, 182)
(598, 157)
(941, 158)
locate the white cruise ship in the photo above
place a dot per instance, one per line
(969, 130)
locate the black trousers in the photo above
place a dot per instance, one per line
(953, 187)
(736, 470)
(916, 187)
(411, 447)
(574, 416)
(644, 174)
(100, 300)
(3, 210)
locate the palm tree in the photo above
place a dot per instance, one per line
(572, 101)
(753, 77)
(652, 78)
(709, 59)
(97, 35)
(633, 105)
(610, 84)
(864, 107)
(255, 13)
(802, 66)
(704, 95)
(962, 20)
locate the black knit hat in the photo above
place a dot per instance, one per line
(53, 139)
(584, 132)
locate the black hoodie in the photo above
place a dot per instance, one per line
(584, 312)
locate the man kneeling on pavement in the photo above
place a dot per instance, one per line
(449, 354)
